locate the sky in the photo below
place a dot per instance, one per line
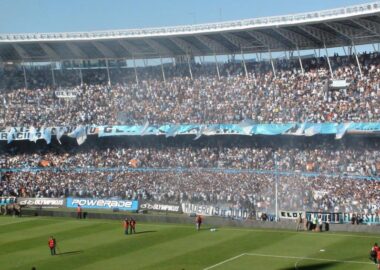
(25, 16)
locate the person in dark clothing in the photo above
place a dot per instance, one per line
(132, 224)
(126, 225)
(198, 222)
(79, 211)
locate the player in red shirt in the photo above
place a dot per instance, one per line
(79, 211)
(198, 222)
(126, 225)
(132, 223)
(52, 244)
(374, 252)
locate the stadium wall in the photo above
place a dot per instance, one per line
(208, 221)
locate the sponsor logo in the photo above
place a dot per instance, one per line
(160, 207)
(41, 202)
(102, 203)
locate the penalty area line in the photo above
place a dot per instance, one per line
(284, 257)
(228, 260)
(304, 258)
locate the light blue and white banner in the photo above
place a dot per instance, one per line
(247, 128)
(90, 203)
(365, 218)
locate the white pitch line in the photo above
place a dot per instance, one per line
(304, 258)
(228, 260)
(283, 257)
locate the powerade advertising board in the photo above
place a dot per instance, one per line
(102, 204)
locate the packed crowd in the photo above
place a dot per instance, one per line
(188, 171)
(227, 153)
(240, 190)
(209, 171)
(286, 96)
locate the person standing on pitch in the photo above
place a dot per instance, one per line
(373, 253)
(132, 223)
(198, 222)
(52, 244)
(299, 222)
(126, 225)
(79, 211)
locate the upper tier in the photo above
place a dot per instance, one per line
(358, 24)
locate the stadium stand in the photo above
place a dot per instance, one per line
(315, 174)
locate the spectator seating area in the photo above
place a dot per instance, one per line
(237, 170)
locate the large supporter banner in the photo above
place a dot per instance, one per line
(216, 210)
(231, 212)
(291, 214)
(366, 218)
(161, 207)
(246, 127)
(42, 202)
(66, 93)
(91, 203)
(204, 210)
(326, 217)
(7, 200)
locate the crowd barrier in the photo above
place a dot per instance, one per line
(217, 210)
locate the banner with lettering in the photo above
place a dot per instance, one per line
(246, 128)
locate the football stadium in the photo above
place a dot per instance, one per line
(237, 144)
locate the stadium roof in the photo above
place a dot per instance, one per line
(357, 25)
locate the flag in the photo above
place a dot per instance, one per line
(60, 131)
(199, 133)
(301, 129)
(44, 163)
(133, 163)
(80, 134)
(247, 125)
(314, 129)
(341, 130)
(32, 134)
(11, 132)
(145, 128)
(172, 131)
(46, 134)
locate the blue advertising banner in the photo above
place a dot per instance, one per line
(91, 203)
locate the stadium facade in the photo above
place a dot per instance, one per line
(348, 26)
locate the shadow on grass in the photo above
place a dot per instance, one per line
(70, 252)
(316, 266)
(145, 232)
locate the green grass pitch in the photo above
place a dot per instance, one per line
(101, 244)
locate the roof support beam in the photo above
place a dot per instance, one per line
(236, 40)
(315, 32)
(21, 52)
(159, 48)
(185, 46)
(348, 35)
(369, 26)
(294, 38)
(49, 51)
(107, 53)
(131, 49)
(213, 45)
(266, 40)
(76, 50)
